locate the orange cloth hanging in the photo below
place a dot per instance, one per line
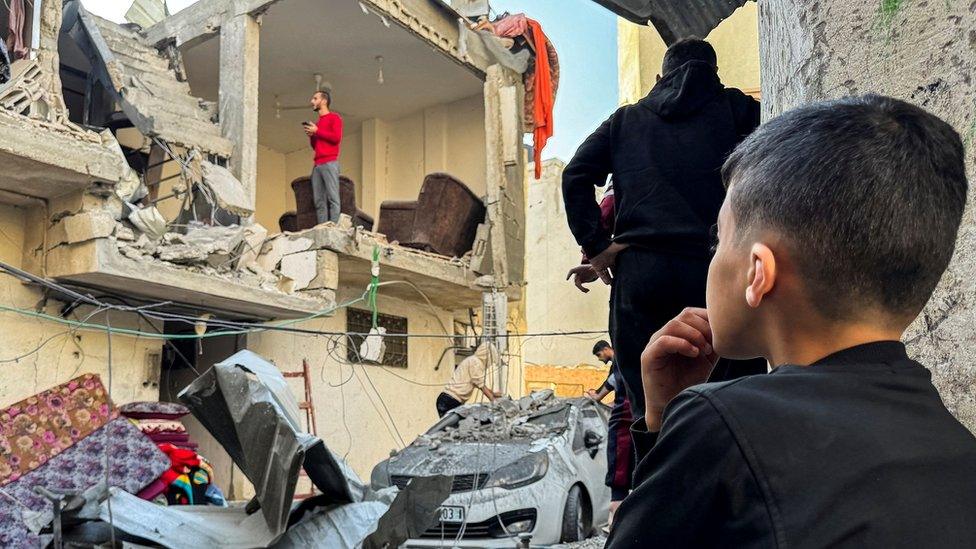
(544, 98)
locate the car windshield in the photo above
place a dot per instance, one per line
(551, 419)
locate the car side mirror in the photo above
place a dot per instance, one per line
(592, 441)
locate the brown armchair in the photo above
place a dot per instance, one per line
(443, 220)
(304, 217)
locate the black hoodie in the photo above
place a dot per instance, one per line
(665, 153)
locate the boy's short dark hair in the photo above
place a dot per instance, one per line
(871, 192)
(600, 345)
(688, 49)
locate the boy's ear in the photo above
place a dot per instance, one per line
(762, 274)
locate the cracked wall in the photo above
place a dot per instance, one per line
(920, 51)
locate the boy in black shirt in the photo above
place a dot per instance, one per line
(840, 219)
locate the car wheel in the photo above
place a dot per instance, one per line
(576, 516)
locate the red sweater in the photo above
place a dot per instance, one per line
(325, 141)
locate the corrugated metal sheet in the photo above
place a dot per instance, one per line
(675, 19)
(146, 87)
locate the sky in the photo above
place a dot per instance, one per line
(585, 37)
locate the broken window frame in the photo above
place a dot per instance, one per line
(360, 321)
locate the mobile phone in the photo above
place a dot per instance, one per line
(306, 123)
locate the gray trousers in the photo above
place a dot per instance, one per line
(325, 191)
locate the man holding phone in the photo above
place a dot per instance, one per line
(324, 137)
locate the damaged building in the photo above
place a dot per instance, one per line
(162, 165)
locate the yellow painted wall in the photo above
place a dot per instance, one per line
(61, 355)
(551, 302)
(566, 382)
(640, 51)
(274, 195)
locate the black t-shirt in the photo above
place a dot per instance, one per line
(856, 450)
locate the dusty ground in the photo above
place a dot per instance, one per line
(595, 542)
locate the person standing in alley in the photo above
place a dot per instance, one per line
(620, 448)
(325, 136)
(469, 375)
(665, 153)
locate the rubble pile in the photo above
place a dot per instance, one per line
(504, 419)
(210, 250)
(246, 254)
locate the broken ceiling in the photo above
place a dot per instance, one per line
(675, 20)
(146, 83)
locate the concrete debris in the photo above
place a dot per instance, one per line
(504, 419)
(254, 237)
(82, 227)
(125, 233)
(300, 268)
(148, 220)
(229, 193)
(277, 247)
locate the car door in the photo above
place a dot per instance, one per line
(592, 462)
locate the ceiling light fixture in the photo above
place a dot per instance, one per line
(379, 77)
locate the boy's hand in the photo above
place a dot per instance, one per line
(310, 129)
(591, 393)
(678, 356)
(582, 274)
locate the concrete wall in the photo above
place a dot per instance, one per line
(61, 354)
(922, 52)
(640, 51)
(551, 302)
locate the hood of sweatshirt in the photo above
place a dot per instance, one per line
(683, 91)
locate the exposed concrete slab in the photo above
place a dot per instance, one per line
(431, 20)
(202, 20)
(41, 160)
(447, 283)
(437, 23)
(82, 227)
(98, 263)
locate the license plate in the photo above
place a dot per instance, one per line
(451, 513)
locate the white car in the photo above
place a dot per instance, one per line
(532, 468)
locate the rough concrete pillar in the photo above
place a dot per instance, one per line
(239, 64)
(505, 175)
(922, 52)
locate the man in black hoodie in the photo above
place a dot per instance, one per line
(665, 153)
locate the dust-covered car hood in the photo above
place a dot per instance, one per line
(481, 438)
(456, 458)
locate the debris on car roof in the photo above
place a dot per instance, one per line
(503, 419)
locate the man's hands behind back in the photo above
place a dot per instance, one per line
(678, 356)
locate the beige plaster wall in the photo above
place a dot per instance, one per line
(551, 302)
(62, 354)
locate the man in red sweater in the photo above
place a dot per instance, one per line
(324, 136)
